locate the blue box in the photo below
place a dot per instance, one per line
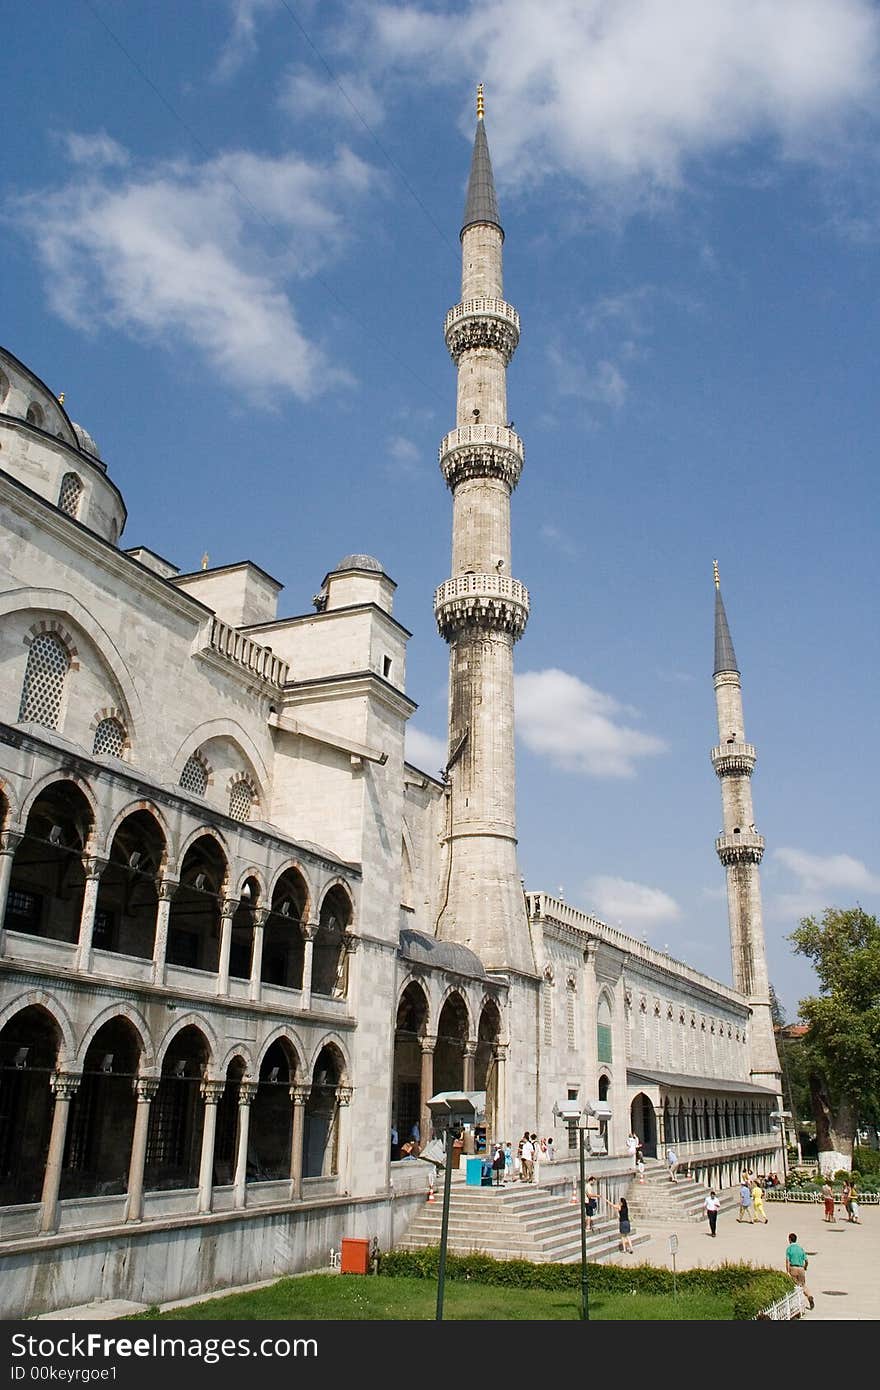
(473, 1172)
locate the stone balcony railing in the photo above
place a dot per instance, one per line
(482, 323)
(747, 846)
(236, 647)
(481, 600)
(730, 758)
(481, 451)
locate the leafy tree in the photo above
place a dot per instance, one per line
(842, 1046)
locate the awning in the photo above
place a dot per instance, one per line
(680, 1082)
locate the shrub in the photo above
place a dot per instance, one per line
(766, 1287)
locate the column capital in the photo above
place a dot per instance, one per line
(247, 1091)
(309, 930)
(350, 941)
(500, 1050)
(94, 867)
(65, 1084)
(229, 907)
(344, 1095)
(469, 1049)
(146, 1087)
(300, 1094)
(166, 888)
(211, 1090)
(10, 841)
(260, 916)
(428, 1042)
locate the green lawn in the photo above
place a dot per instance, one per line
(353, 1297)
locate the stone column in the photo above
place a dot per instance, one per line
(499, 1052)
(227, 912)
(94, 868)
(310, 931)
(246, 1092)
(469, 1058)
(166, 888)
(145, 1088)
(343, 1147)
(254, 989)
(428, 1044)
(211, 1091)
(64, 1087)
(9, 843)
(346, 978)
(299, 1095)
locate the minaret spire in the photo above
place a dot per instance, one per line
(482, 610)
(740, 849)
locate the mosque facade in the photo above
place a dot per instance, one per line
(244, 943)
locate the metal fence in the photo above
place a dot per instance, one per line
(798, 1194)
(784, 1309)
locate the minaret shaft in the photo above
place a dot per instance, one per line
(740, 849)
(481, 610)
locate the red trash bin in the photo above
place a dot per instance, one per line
(355, 1256)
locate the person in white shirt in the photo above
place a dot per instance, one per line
(713, 1206)
(527, 1158)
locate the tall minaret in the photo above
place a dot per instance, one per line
(482, 610)
(740, 849)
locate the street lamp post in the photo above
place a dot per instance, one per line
(585, 1293)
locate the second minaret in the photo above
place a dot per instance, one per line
(482, 610)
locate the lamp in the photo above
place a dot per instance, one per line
(246, 892)
(572, 1114)
(284, 909)
(180, 1068)
(56, 835)
(107, 1062)
(134, 858)
(273, 1075)
(200, 881)
(21, 1057)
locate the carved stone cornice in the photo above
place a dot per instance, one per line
(166, 888)
(65, 1084)
(482, 323)
(247, 1091)
(93, 866)
(229, 907)
(469, 1049)
(428, 1043)
(481, 451)
(10, 841)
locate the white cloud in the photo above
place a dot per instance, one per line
(242, 42)
(200, 254)
(619, 900)
(630, 91)
(424, 750)
(98, 151)
(818, 877)
(405, 454)
(602, 384)
(305, 92)
(577, 727)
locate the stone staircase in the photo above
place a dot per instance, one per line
(666, 1203)
(519, 1221)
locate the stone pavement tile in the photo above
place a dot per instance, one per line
(843, 1257)
(104, 1309)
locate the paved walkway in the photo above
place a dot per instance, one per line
(844, 1258)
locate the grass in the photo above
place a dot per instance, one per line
(321, 1297)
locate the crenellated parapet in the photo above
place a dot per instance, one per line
(481, 451)
(742, 847)
(475, 601)
(482, 323)
(734, 759)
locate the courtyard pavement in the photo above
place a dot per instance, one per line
(844, 1258)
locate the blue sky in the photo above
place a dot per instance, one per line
(230, 236)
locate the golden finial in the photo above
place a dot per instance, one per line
(715, 574)
(205, 560)
(61, 399)
(480, 111)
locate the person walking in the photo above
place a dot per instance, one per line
(551, 1151)
(632, 1145)
(758, 1202)
(591, 1199)
(508, 1161)
(796, 1265)
(498, 1164)
(745, 1212)
(846, 1200)
(854, 1207)
(640, 1165)
(624, 1226)
(536, 1159)
(671, 1163)
(713, 1206)
(828, 1199)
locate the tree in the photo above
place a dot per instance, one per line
(842, 1046)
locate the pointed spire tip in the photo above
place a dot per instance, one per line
(480, 107)
(715, 574)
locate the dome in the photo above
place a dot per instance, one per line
(444, 955)
(360, 562)
(85, 441)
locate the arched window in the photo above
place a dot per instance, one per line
(109, 739)
(603, 1030)
(34, 415)
(241, 799)
(194, 777)
(70, 494)
(47, 665)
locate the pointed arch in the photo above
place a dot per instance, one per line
(48, 1004)
(238, 735)
(193, 1019)
(122, 1009)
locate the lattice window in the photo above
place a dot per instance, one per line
(241, 800)
(47, 664)
(109, 739)
(570, 1017)
(70, 494)
(194, 777)
(548, 1013)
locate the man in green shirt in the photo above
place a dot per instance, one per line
(796, 1265)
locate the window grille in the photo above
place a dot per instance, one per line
(109, 739)
(194, 777)
(570, 1018)
(241, 800)
(548, 1013)
(70, 494)
(23, 911)
(47, 664)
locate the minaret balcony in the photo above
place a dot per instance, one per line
(742, 847)
(482, 323)
(734, 759)
(481, 451)
(481, 601)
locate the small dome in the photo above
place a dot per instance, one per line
(360, 562)
(85, 441)
(443, 955)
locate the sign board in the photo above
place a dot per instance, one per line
(673, 1244)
